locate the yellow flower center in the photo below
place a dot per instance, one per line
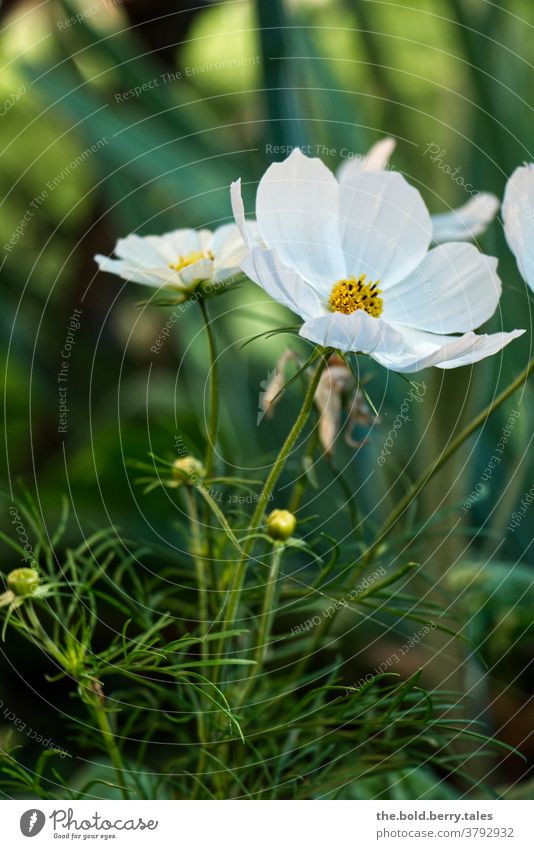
(355, 294)
(189, 259)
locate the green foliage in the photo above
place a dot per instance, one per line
(122, 641)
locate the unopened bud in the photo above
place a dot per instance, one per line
(187, 469)
(23, 582)
(281, 524)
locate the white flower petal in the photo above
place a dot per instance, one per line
(357, 331)
(422, 350)
(482, 346)
(467, 222)
(377, 159)
(229, 250)
(248, 234)
(385, 226)
(297, 213)
(155, 277)
(112, 266)
(281, 282)
(518, 219)
(162, 251)
(225, 272)
(400, 348)
(223, 238)
(146, 251)
(184, 242)
(200, 270)
(455, 288)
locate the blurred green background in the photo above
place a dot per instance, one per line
(86, 158)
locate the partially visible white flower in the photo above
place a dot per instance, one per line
(352, 260)
(463, 224)
(518, 219)
(178, 260)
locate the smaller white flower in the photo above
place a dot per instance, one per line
(518, 219)
(179, 260)
(463, 224)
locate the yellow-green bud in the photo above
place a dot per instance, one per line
(23, 582)
(187, 469)
(281, 524)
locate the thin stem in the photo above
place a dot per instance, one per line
(300, 485)
(320, 634)
(213, 419)
(200, 565)
(109, 741)
(440, 461)
(211, 437)
(94, 700)
(203, 613)
(236, 588)
(352, 506)
(266, 620)
(39, 634)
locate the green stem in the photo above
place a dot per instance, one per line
(200, 565)
(266, 621)
(352, 506)
(300, 485)
(211, 443)
(40, 636)
(94, 700)
(434, 467)
(109, 741)
(236, 588)
(203, 612)
(213, 419)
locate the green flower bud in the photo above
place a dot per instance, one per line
(187, 469)
(23, 582)
(281, 524)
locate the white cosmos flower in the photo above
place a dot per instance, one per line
(178, 260)
(463, 224)
(518, 219)
(353, 260)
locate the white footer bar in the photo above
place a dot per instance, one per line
(269, 825)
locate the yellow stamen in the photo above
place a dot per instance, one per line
(184, 261)
(355, 294)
